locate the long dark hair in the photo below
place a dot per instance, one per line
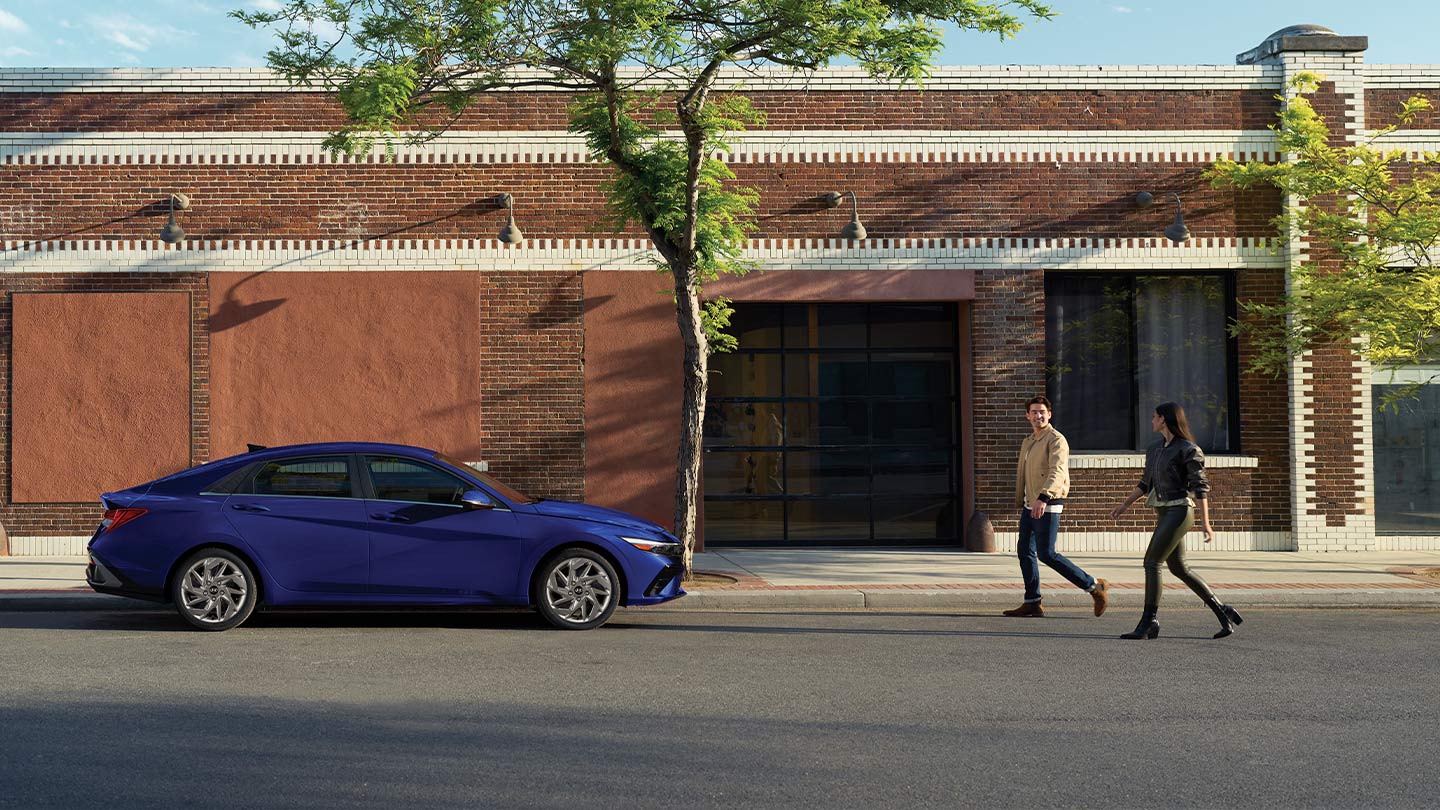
(1174, 417)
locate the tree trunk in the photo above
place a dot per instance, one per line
(692, 414)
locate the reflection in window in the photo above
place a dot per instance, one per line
(398, 479)
(1118, 345)
(833, 423)
(320, 477)
(1407, 456)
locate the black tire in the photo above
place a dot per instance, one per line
(214, 590)
(576, 589)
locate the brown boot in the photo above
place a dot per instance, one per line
(1026, 609)
(1101, 595)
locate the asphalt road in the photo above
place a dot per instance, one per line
(711, 710)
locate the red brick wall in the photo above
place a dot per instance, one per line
(532, 380)
(833, 110)
(1383, 104)
(81, 518)
(563, 201)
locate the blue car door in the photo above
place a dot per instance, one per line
(424, 544)
(307, 524)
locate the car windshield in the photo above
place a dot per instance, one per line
(506, 492)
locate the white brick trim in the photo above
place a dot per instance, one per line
(1071, 542)
(1393, 76)
(1105, 461)
(975, 77)
(1411, 542)
(766, 146)
(73, 546)
(283, 255)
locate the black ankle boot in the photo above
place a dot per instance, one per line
(1229, 617)
(1147, 628)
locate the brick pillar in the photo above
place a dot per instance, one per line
(1332, 481)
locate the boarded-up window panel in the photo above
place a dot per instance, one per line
(100, 392)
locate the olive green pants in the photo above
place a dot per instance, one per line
(1167, 546)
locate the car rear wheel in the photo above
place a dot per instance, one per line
(215, 590)
(577, 590)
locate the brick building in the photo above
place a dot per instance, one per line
(878, 394)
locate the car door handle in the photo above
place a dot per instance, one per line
(249, 507)
(391, 517)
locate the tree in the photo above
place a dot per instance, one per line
(390, 60)
(1374, 215)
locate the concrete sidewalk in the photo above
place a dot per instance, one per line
(859, 579)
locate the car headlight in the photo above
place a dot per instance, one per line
(661, 547)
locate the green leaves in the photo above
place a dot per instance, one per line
(1375, 212)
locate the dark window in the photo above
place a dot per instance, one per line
(1117, 345)
(313, 477)
(833, 423)
(1407, 455)
(400, 479)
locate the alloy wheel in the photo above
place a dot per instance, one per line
(578, 590)
(214, 590)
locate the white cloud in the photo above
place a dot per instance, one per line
(267, 5)
(14, 51)
(133, 35)
(1121, 9)
(9, 22)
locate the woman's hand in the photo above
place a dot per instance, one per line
(1209, 532)
(1118, 511)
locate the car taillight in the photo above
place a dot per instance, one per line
(115, 518)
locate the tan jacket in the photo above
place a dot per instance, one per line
(1044, 468)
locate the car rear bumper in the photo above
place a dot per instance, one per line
(104, 579)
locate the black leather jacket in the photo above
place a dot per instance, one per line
(1174, 470)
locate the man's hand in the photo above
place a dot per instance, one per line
(1037, 509)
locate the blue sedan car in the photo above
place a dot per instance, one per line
(374, 525)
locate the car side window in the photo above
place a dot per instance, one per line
(400, 479)
(314, 477)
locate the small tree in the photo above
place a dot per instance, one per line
(390, 59)
(1373, 213)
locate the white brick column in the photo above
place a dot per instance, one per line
(1316, 525)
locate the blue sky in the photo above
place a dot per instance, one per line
(163, 33)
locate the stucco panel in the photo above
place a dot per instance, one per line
(100, 392)
(633, 384)
(306, 357)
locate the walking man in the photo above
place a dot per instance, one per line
(1042, 480)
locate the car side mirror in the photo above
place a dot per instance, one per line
(475, 499)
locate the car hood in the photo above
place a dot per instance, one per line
(595, 514)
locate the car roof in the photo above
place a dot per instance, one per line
(339, 447)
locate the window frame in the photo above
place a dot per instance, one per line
(952, 450)
(1232, 351)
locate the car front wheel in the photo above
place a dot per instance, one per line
(577, 590)
(215, 590)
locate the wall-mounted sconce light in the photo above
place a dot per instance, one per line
(855, 231)
(510, 234)
(172, 233)
(1177, 232)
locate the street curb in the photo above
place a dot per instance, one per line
(957, 599)
(77, 600)
(861, 599)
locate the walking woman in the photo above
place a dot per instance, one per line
(1174, 484)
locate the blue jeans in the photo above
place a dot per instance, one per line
(1037, 542)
